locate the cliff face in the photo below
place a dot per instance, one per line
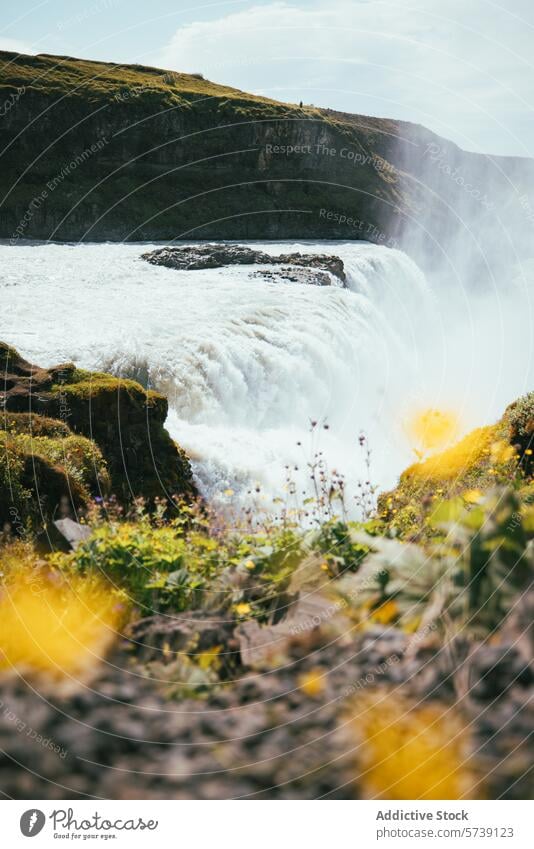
(94, 151)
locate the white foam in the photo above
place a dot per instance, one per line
(247, 363)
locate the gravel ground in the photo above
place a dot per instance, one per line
(263, 734)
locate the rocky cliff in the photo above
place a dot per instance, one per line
(96, 151)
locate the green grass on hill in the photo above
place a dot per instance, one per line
(64, 75)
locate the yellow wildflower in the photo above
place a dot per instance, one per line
(472, 496)
(386, 613)
(312, 683)
(209, 658)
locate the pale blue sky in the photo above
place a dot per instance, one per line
(464, 68)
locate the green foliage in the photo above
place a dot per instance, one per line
(466, 578)
(465, 575)
(76, 455)
(158, 567)
(340, 543)
(186, 564)
(182, 564)
(521, 415)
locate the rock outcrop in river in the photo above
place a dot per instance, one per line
(197, 257)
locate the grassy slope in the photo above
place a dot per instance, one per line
(98, 81)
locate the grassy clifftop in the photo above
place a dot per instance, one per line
(98, 81)
(101, 151)
(97, 151)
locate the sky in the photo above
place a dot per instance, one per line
(463, 68)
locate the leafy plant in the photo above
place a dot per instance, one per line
(467, 578)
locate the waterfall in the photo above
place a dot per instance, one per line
(248, 363)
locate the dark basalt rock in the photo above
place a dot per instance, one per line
(306, 276)
(196, 257)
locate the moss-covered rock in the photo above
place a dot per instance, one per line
(33, 487)
(75, 433)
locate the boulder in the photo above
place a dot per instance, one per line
(196, 257)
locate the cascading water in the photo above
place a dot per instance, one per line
(248, 363)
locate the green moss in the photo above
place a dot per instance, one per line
(28, 423)
(37, 472)
(95, 428)
(94, 383)
(79, 458)
(127, 423)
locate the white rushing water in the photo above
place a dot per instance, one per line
(248, 363)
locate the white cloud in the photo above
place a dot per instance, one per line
(463, 69)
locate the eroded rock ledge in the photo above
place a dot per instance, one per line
(197, 257)
(70, 435)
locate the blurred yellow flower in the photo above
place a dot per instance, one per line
(411, 750)
(386, 613)
(58, 626)
(312, 683)
(209, 658)
(433, 429)
(242, 608)
(501, 451)
(472, 496)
